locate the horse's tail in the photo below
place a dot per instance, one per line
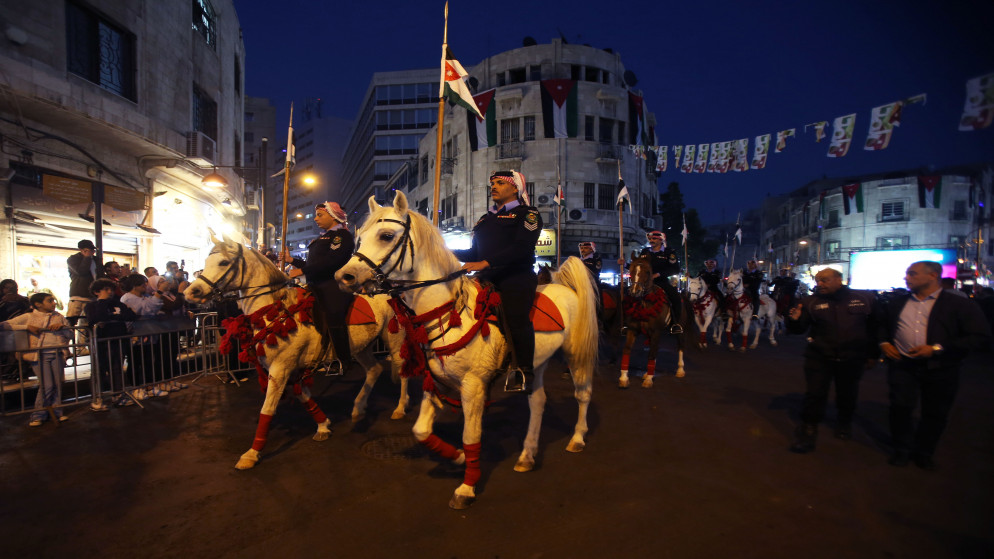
(582, 340)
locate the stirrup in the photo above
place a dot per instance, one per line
(333, 368)
(515, 380)
(676, 329)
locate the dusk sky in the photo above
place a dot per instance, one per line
(710, 71)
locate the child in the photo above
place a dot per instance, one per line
(110, 318)
(48, 339)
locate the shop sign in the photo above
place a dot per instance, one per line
(124, 199)
(67, 190)
(546, 245)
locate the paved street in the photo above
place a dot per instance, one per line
(694, 467)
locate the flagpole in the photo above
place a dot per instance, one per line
(737, 239)
(621, 254)
(724, 264)
(686, 262)
(559, 212)
(286, 186)
(441, 122)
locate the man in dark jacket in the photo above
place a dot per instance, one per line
(665, 264)
(591, 259)
(925, 335)
(752, 279)
(84, 267)
(503, 252)
(110, 317)
(841, 343)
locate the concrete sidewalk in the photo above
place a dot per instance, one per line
(694, 467)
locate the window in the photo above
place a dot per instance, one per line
(892, 211)
(424, 169)
(574, 72)
(99, 51)
(959, 210)
(622, 140)
(238, 150)
(516, 75)
(833, 218)
(832, 250)
(204, 113)
(588, 195)
(535, 73)
(249, 117)
(957, 240)
(607, 131)
(588, 128)
(606, 196)
(509, 130)
(501, 79)
(592, 75)
(529, 128)
(530, 190)
(893, 242)
(205, 22)
(238, 76)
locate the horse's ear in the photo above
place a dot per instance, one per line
(228, 245)
(214, 238)
(634, 256)
(373, 206)
(400, 202)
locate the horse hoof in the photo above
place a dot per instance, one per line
(460, 502)
(576, 446)
(753, 346)
(622, 384)
(397, 414)
(524, 465)
(681, 373)
(357, 417)
(245, 464)
(742, 350)
(647, 382)
(321, 435)
(773, 343)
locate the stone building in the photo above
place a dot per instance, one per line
(134, 103)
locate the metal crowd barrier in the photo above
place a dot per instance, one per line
(155, 353)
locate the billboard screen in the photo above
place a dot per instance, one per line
(884, 269)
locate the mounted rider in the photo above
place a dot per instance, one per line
(711, 276)
(591, 259)
(752, 279)
(325, 255)
(785, 285)
(665, 263)
(503, 251)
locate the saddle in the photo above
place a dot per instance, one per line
(544, 316)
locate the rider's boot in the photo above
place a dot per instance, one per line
(340, 341)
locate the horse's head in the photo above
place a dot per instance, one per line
(385, 249)
(696, 288)
(544, 274)
(640, 271)
(734, 281)
(231, 266)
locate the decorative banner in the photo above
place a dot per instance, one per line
(761, 150)
(702, 158)
(724, 162)
(852, 198)
(713, 160)
(688, 159)
(978, 111)
(661, 157)
(637, 150)
(782, 139)
(740, 153)
(841, 135)
(483, 131)
(883, 119)
(677, 151)
(929, 191)
(819, 129)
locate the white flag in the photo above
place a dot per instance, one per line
(623, 196)
(685, 234)
(738, 235)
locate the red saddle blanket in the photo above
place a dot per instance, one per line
(545, 315)
(608, 301)
(361, 313)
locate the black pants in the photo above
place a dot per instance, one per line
(912, 381)
(673, 298)
(754, 295)
(517, 295)
(819, 374)
(335, 305)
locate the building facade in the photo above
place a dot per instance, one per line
(130, 104)
(516, 90)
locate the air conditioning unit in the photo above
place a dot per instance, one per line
(578, 214)
(200, 148)
(544, 200)
(252, 200)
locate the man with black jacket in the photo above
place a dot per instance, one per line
(84, 268)
(925, 335)
(841, 343)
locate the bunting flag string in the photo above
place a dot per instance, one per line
(842, 128)
(762, 149)
(702, 158)
(978, 111)
(782, 139)
(819, 129)
(688, 158)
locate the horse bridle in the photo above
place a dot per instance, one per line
(402, 244)
(218, 289)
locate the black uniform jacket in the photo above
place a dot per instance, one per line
(326, 255)
(842, 325)
(594, 263)
(956, 323)
(660, 262)
(752, 280)
(712, 279)
(506, 240)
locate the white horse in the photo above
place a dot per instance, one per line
(704, 306)
(451, 338)
(740, 307)
(261, 285)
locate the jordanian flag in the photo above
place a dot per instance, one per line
(852, 198)
(483, 131)
(452, 85)
(560, 113)
(929, 191)
(639, 132)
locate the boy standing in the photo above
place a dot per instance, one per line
(110, 318)
(48, 338)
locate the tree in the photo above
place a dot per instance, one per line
(699, 247)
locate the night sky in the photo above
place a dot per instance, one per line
(710, 71)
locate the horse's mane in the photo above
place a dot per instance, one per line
(271, 272)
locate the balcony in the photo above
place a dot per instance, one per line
(608, 153)
(511, 150)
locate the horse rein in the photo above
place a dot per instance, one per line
(217, 289)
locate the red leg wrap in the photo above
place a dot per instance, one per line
(472, 463)
(650, 368)
(704, 338)
(440, 447)
(624, 362)
(745, 339)
(315, 411)
(261, 431)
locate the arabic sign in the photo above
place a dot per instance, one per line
(124, 199)
(67, 190)
(546, 245)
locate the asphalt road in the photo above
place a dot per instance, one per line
(693, 467)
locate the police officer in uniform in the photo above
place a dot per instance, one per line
(711, 276)
(785, 284)
(664, 264)
(591, 259)
(503, 252)
(325, 255)
(752, 278)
